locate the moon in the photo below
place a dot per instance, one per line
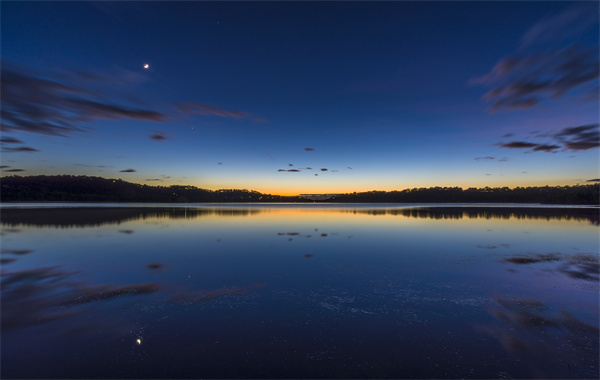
(146, 66)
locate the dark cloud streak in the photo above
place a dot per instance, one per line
(518, 145)
(59, 104)
(546, 68)
(10, 140)
(208, 110)
(19, 149)
(582, 137)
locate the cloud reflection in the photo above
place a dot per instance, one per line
(535, 332)
(41, 295)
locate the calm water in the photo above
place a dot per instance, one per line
(299, 291)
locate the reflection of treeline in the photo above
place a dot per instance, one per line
(580, 194)
(96, 216)
(579, 214)
(68, 188)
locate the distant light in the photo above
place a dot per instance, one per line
(139, 341)
(146, 66)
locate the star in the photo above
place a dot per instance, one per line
(146, 66)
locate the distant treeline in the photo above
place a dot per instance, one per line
(69, 188)
(580, 195)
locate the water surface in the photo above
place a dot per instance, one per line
(299, 291)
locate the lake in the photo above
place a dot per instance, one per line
(299, 291)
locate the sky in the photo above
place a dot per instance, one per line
(303, 97)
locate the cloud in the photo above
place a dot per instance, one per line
(208, 110)
(158, 136)
(4, 166)
(546, 147)
(309, 149)
(15, 170)
(518, 145)
(523, 145)
(154, 179)
(60, 103)
(17, 251)
(19, 149)
(563, 26)
(127, 171)
(545, 67)
(484, 158)
(66, 101)
(10, 140)
(580, 138)
(593, 180)
(508, 135)
(323, 170)
(289, 170)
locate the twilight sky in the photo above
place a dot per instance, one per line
(303, 97)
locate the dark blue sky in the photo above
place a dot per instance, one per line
(384, 95)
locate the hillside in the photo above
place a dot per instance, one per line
(68, 188)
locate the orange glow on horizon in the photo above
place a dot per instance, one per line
(299, 190)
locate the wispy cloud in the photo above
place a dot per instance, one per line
(210, 110)
(582, 137)
(19, 149)
(550, 64)
(127, 171)
(309, 149)
(487, 158)
(10, 140)
(63, 102)
(546, 147)
(60, 103)
(524, 145)
(518, 145)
